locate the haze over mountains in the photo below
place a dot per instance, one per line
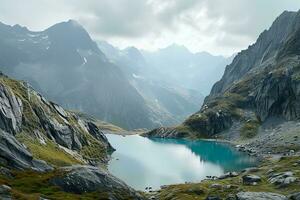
(173, 65)
(259, 90)
(75, 74)
(49, 152)
(130, 88)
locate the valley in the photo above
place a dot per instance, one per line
(82, 119)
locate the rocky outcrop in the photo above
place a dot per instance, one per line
(262, 53)
(162, 132)
(5, 192)
(81, 179)
(27, 117)
(10, 110)
(259, 196)
(61, 133)
(261, 82)
(278, 94)
(283, 178)
(33, 128)
(250, 179)
(295, 196)
(15, 155)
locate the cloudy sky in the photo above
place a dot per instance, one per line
(217, 26)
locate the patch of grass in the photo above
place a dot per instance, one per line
(49, 152)
(95, 150)
(250, 129)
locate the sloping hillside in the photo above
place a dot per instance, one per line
(169, 102)
(46, 151)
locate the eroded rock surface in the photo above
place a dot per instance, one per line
(260, 196)
(11, 108)
(80, 179)
(15, 155)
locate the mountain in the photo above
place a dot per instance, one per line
(168, 101)
(258, 95)
(66, 65)
(198, 71)
(57, 151)
(255, 108)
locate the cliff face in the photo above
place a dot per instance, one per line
(50, 149)
(262, 53)
(29, 120)
(261, 82)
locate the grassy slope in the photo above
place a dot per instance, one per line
(101, 124)
(49, 152)
(203, 189)
(30, 185)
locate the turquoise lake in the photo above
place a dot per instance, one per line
(142, 162)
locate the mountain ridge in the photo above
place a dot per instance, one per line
(58, 152)
(171, 102)
(259, 85)
(65, 71)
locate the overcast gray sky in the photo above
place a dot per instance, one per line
(217, 26)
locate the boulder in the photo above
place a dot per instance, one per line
(80, 179)
(295, 196)
(228, 175)
(212, 198)
(283, 178)
(259, 196)
(5, 172)
(216, 185)
(5, 192)
(251, 179)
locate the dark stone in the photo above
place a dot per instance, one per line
(11, 109)
(250, 179)
(212, 198)
(259, 196)
(80, 179)
(295, 196)
(16, 156)
(5, 192)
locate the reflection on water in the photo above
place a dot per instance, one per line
(143, 162)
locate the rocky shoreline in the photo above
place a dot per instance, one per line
(273, 179)
(278, 180)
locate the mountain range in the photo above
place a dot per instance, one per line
(48, 152)
(258, 92)
(123, 87)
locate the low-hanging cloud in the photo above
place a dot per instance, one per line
(217, 26)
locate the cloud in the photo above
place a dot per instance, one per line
(217, 26)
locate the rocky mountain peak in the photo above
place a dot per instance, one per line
(66, 33)
(261, 83)
(262, 52)
(19, 28)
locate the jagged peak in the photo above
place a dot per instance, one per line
(20, 28)
(70, 24)
(133, 51)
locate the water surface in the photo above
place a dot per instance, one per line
(143, 162)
